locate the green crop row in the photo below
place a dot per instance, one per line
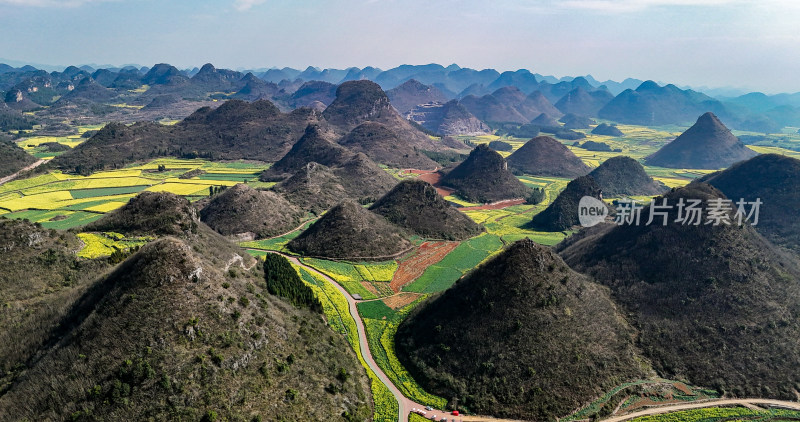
(335, 305)
(351, 276)
(380, 336)
(714, 414)
(463, 258)
(95, 192)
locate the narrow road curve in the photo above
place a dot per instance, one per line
(404, 404)
(292, 230)
(11, 177)
(709, 403)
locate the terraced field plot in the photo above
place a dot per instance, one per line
(413, 265)
(104, 244)
(633, 396)
(368, 279)
(33, 144)
(464, 257)
(62, 201)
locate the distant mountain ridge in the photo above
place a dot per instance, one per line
(630, 101)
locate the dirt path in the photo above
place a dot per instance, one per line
(709, 403)
(405, 405)
(292, 230)
(471, 418)
(11, 177)
(238, 258)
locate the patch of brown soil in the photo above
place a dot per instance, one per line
(400, 300)
(370, 288)
(433, 179)
(683, 388)
(412, 267)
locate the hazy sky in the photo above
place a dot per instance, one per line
(749, 44)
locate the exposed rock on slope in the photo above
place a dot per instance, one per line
(413, 93)
(317, 145)
(316, 188)
(150, 213)
(155, 328)
(624, 176)
(363, 101)
(40, 277)
(384, 146)
(450, 118)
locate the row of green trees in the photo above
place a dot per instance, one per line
(283, 280)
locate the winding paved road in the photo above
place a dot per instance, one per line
(405, 405)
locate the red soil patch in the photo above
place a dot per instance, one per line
(426, 255)
(415, 171)
(370, 288)
(648, 402)
(495, 205)
(434, 179)
(399, 300)
(683, 388)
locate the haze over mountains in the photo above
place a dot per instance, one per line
(490, 96)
